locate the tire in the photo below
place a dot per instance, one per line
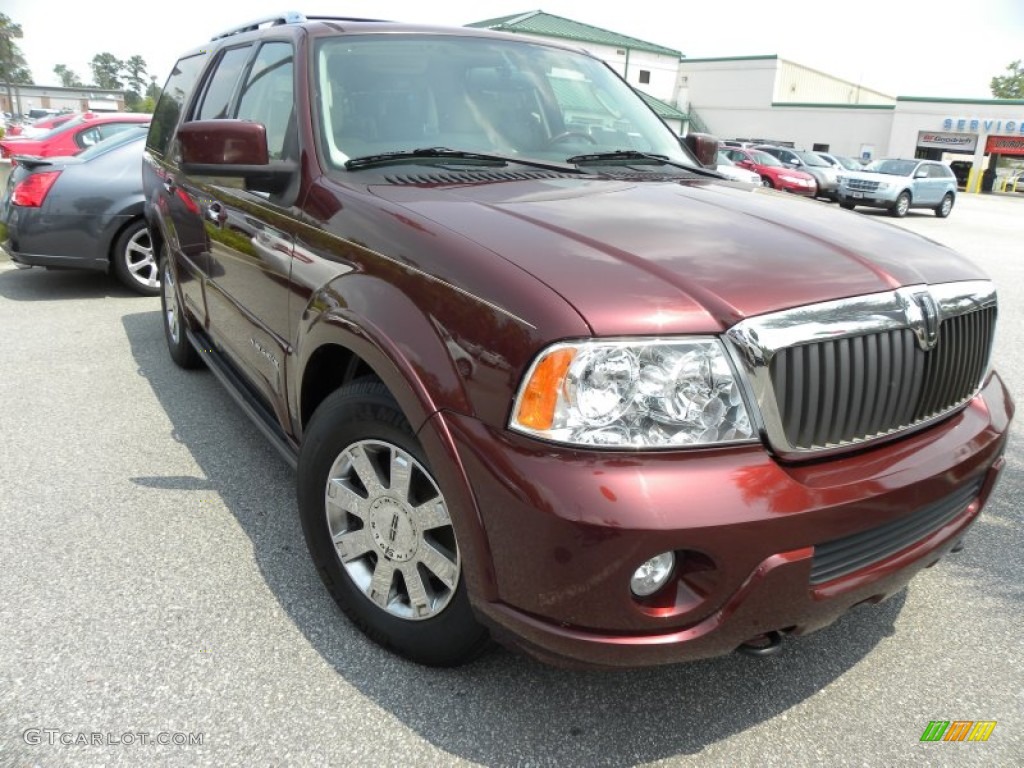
(942, 209)
(847, 206)
(133, 260)
(766, 182)
(901, 206)
(181, 351)
(390, 561)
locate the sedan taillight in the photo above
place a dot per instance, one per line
(31, 191)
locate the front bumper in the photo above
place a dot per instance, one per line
(872, 199)
(565, 530)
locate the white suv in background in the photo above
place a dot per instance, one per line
(900, 185)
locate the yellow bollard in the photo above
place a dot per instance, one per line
(973, 181)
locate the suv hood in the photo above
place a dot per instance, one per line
(656, 257)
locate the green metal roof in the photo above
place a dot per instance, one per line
(664, 111)
(549, 25)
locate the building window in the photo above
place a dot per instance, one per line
(645, 77)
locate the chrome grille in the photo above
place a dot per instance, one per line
(862, 185)
(833, 376)
(855, 388)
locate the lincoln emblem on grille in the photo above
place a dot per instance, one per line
(926, 325)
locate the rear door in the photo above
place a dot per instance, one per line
(168, 205)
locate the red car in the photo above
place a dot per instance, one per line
(73, 136)
(39, 127)
(772, 172)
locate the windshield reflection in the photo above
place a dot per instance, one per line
(515, 99)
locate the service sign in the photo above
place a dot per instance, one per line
(965, 142)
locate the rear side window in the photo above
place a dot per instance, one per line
(172, 100)
(221, 86)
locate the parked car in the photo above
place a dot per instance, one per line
(543, 374)
(72, 137)
(841, 162)
(83, 212)
(962, 171)
(39, 127)
(733, 172)
(824, 174)
(899, 185)
(772, 172)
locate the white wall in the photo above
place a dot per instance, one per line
(796, 82)
(663, 69)
(740, 84)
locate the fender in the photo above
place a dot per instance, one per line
(363, 314)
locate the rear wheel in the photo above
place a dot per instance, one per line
(766, 182)
(943, 209)
(181, 351)
(901, 206)
(134, 261)
(378, 529)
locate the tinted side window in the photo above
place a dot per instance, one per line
(172, 100)
(268, 97)
(222, 83)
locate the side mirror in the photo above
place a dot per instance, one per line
(233, 148)
(704, 147)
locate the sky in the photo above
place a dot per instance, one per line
(938, 48)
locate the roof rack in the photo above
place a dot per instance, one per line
(291, 17)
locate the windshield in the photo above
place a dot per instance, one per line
(723, 159)
(381, 94)
(813, 159)
(763, 158)
(893, 167)
(849, 163)
(135, 133)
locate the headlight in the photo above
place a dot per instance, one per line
(883, 185)
(633, 394)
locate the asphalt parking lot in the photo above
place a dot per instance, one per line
(154, 580)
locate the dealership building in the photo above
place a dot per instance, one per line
(773, 99)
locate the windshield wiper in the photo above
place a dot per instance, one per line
(444, 153)
(632, 154)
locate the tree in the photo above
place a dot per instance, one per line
(13, 67)
(67, 78)
(1010, 86)
(135, 74)
(106, 71)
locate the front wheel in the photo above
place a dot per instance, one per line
(901, 206)
(847, 206)
(378, 529)
(943, 209)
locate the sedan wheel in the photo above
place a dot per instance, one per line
(766, 182)
(134, 262)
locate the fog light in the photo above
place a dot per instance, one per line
(652, 575)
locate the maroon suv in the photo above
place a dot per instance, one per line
(544, 376)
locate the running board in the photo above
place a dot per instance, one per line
(240, 393)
